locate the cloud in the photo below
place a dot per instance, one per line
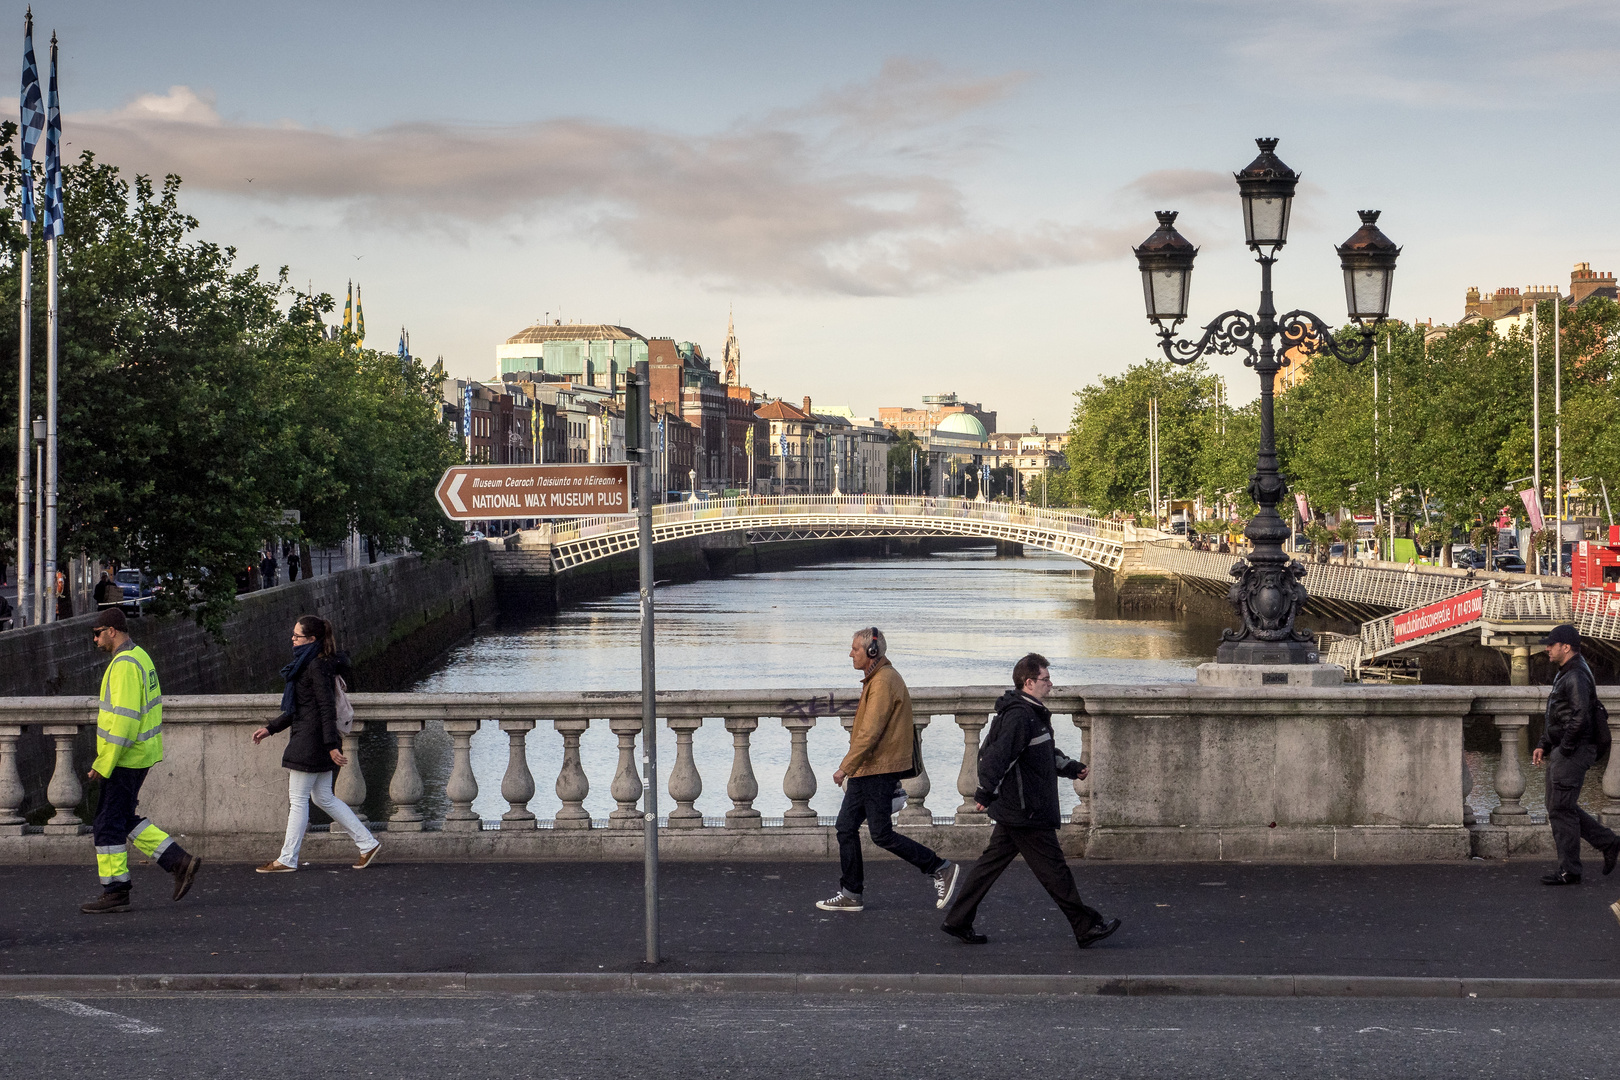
(797, 201)
(1181, 185)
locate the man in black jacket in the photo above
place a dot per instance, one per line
(1019, 765)
(1573, 738)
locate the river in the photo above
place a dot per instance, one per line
(951, 619)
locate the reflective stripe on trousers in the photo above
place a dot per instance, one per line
(112, 864)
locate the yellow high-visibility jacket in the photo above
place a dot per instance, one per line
(129, 727)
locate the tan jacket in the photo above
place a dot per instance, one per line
(880, 741)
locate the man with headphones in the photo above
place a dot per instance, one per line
(882, 751)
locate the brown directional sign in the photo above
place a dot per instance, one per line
(489, 492)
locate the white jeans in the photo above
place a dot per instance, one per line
(302, 789)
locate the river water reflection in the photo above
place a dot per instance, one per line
(952, 619)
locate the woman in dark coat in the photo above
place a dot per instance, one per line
(315, 747)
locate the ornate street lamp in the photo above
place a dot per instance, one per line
(1269, 591)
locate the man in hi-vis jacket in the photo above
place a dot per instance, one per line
(129, 741)
(1019, 765)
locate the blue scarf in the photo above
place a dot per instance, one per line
(301, 658)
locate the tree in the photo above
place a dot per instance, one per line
(900, 465)
(195, 408)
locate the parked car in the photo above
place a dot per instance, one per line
(134, 584)
(1509, 562)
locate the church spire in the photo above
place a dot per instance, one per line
(732, 355)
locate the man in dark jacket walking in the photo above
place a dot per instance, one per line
(1571, 741)
(1018, 769)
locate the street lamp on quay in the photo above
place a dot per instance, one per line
(1269, 591)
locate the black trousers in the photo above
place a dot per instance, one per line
(1570, 824)
(871, 799)
(1039, 847)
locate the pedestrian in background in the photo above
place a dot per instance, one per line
(1575, 735)
(314, 748)
(292, 564)
(129, 741)
(1019, 765)
(108, 593)
(267, 569)
(882, 750)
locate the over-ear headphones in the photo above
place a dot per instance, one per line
(872, 644)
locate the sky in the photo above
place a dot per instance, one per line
(892, 199)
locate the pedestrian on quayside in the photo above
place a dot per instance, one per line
(1575, 735)
(1019, 765)
(883, 749)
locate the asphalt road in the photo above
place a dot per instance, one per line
(784, 1037)
(1473, 919)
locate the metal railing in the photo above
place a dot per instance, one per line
(1095, 540)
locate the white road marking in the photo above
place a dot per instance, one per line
(127, 1024)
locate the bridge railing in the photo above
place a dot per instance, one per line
(1385, 787)
(745, 508)
(1377, 586)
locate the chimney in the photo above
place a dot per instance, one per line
(807, 404)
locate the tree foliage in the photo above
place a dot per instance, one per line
(200, 400)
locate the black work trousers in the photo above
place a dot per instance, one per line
(1570, 824)
(871, 799)
(1039, 847)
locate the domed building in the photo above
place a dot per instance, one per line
(956, 447)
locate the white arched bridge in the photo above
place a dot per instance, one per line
(1093, 540)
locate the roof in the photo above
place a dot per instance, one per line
(780, 410)
(962, 424)
(573, 332)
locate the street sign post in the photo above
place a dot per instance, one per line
(499, 492)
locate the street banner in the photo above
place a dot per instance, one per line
(1304, 507)
(497, 492)
(1532, 506)
(1451, 612)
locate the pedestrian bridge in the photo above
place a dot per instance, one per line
(1096, 541)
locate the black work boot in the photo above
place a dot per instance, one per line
(107, 903)
(185, 874)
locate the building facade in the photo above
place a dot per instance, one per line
(593, 354)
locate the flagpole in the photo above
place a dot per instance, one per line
(25, 462)
(53, 208)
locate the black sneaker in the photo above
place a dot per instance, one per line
(1559, 877)
(1609, 858)
(186, 874)
(1097, 933)
(107, 903)
(964, 934)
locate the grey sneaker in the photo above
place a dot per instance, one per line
(946, 878)
(897, 801)
(841, 901)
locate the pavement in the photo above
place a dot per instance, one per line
(1467, 921)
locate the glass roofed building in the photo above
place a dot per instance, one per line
(596, 354)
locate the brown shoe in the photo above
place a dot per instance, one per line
(107, 903)
(367, 858)
(185, 875)
(275, 868)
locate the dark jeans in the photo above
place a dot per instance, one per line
(871, 799)
(1039, 847)
(1570, 824)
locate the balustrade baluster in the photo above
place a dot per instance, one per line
(685, 785)
(65, 792)
(11, 789)
(1081, 815)
(572, 783)
(1509, 780)
(917, 788)
(405, 789)
(626, 787)
(1467, 790)
(967, 780)
(350, 785)
(517, 786)
(462, 786)
(799, 782)
(1611, 776)
(742, 788)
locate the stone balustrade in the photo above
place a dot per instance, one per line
(1179, 772)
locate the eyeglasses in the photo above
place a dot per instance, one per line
(1044, 679)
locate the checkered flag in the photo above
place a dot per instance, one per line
(53, 155)
(33, 116)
